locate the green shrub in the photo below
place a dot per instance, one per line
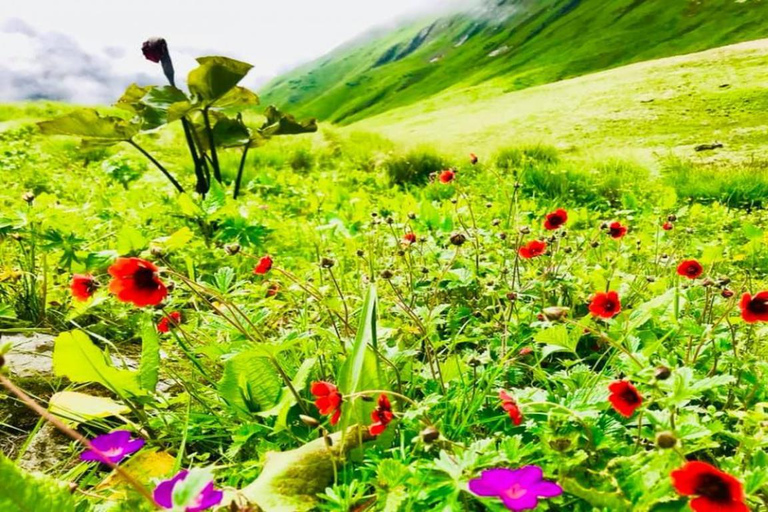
(733, 184)
(520, 156)
(302, 159)
(414, 168)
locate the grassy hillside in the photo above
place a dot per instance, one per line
(645, 109)
(517, 43)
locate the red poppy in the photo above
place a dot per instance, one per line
(715, 490)
(264, 266)
(135, 280)
(447, 176)
(381, 416)
(328, 400)
(624, 397)
(616, 230)
(668, 226)
(83, 286)
(473, 158)
(605, 305)
(532, 249)
(690, 269)
(168, 322)
(510, 405)
(556, 219)
(754, 309)
(409, 238)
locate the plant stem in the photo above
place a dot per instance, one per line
(202, 184)
(158, 165)
(212, 144)
(29, 402)
(240, 172)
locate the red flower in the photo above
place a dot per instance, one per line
(264, 266)
(135, 280)
(168, 322)
(510, 405)
(616, 230)
(328, 400)
(690, 269)
(532, 249)
(668, 226)
(754, 309)
(556, 219)
(716, 491)
(605, 305)
(624, 397)
(473, 158)
(381, 416)
(83, 286)
(273, 289)
(409, 238)
(447, 176)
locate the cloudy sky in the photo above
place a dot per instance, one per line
(88, 51)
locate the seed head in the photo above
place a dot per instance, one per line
(666, 440)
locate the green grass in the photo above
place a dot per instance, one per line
(548, 41)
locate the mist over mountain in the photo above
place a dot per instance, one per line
(517, 43)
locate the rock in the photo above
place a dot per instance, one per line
(47, 448)
(708, 147)
(30, 355)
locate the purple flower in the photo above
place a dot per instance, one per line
(112, 447)
(156, 50)
(205, 498)
(519, 489)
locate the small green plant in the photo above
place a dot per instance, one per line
(413, 168)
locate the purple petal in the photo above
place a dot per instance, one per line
(547, 489)
(91, 456)
(209, 497)
(134, 446)
(492, 482)
(526, 502)
(163, 493)
(111, 440)
(528, 475)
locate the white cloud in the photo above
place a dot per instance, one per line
(89, 50)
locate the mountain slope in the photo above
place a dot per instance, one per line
(516, 43)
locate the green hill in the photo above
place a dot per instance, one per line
(515, 44)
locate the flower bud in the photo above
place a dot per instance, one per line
(511, 296)
(724, 281)
(662, 373)
(525, 230)
(424, 270)
(555, 313)
(327, 263)
(454, 200)
(666, 440)
(156, 50)
(650, 279)
(389, 220)
(458, 239)
(28, 197)
(309, 421)
(707, 282)
(232, 248)
(567, 249)
(411, 215)
(366, 398)
(595, 244)
(157, 252)
(726, 293)
(672, 218)
(386, 274)
(360, 253)
(430, 435)
(560, 445)
(502, 236)
(489, 205)
(496, 222)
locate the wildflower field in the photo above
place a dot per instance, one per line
(250, 312)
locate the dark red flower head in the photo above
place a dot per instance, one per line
(273, 289)
(168, 322)
(616, 230)
(327, 400)
(409, 238)
(624, 397)
(715, 490)
(381, 416)
(754, 309)
(155, 49)
(690, 269)
(135, 280)
(473, 158)
(447, 176)
(556, 219)
(83, 286)
(668, 226)
(605, 305)
(264, 266)
(532, 249)
(509, 404)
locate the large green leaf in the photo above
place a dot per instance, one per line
(278, 123)
(23, 492)
(77, 358)
(360, 371)
(229, 133)
(89, 124)
(215, 77)
(74, 407)
(250, 382)
(237, 97)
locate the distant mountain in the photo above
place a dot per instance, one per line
(517, 43)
